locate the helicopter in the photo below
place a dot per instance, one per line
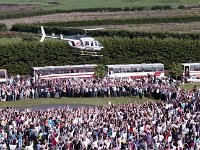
(86, 44)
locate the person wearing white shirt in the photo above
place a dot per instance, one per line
(30, 147)
(159, 128)
(161, 137)
(18, 77)
(114, 91)
(124, 135)
(169, 139)
(12, 147)
(95, 92)
(95, 144)
(3, 146)
(180, 144)
(113, 134)
(105, 130)
(197, 144)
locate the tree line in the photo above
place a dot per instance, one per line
(20, 57)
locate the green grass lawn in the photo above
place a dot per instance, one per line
(4, 41)
(189, 86)
(87, 101)
(76, 4)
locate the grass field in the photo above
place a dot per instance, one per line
(5, 41)
(76, 4)
(189, 86)
(80, 101)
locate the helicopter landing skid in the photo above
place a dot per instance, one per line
(91, 53)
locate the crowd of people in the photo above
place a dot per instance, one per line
(173, 123)
(24, 88)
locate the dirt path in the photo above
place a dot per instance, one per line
(99, 15)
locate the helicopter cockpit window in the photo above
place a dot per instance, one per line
(87, 43)
(73, 44)
(91, 43)
(96, 43)
(81, 42)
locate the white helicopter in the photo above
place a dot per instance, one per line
(86, 44)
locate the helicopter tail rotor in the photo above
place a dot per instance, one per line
(43, 34)
(61, 36)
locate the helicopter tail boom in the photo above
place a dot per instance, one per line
(43, 34)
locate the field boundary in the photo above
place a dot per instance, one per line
(144, 20)
(16, 15)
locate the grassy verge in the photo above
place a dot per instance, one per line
(68, 101)
(189, 86)
(5, 41)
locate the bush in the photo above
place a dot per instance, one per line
(127, 9)
(29, 38)
(3, 27)
(181, 7)
(141, 8)
(159, 7)
(167, 7)
(11, 34)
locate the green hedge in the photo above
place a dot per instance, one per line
(53, 29)
(3, 27)
(181, 7)
(120, 33)
(19, 58)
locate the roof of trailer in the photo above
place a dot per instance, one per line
(66, 66)
(129, 65)
(190, 63)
